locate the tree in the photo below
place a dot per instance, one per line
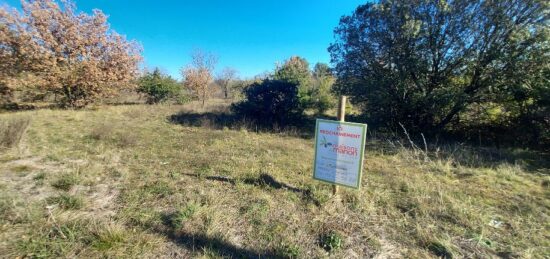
(295, 70)
(321, 70)
(423, 63)
(198, 75)
(18, 52)
(158, 87)
(322, 98)
(225, 78)
(51, 46)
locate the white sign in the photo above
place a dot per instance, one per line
(339, 149)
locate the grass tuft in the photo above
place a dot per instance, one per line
(176, 219)
(109, 237)
(12, 130)
(102, 132)
(65, 182)
(67, 202)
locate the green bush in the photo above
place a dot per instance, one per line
(271, 103)
(159, 87)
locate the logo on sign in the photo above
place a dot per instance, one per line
(339, 149)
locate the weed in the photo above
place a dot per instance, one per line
(331, 241)
(286, 250)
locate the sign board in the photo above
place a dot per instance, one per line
(339, 149)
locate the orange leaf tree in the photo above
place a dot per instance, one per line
(198, 75)
(57, 49)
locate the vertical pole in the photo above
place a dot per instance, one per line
(341, 117)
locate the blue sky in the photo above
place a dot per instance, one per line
(247, 35)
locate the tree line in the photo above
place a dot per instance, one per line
(476, 70)
(48, 48)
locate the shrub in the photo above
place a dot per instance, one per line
(159, 87)
(12, 130)
(271, 103)
(182, 98)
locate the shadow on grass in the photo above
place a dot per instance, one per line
(201, 242)
(125, 103)
(171, 228)
(265, 180)
(227, 120)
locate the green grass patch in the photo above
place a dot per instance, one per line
(65, 181)
(67, 202)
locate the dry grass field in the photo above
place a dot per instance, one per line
(127, 181)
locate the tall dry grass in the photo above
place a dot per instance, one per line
(12, 130)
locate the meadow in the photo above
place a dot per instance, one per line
(130, 181)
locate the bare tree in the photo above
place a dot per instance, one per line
(54, 47)
(197, 76)
(225, 78)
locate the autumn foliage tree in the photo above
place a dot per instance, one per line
(198, 75)
(55, 48)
